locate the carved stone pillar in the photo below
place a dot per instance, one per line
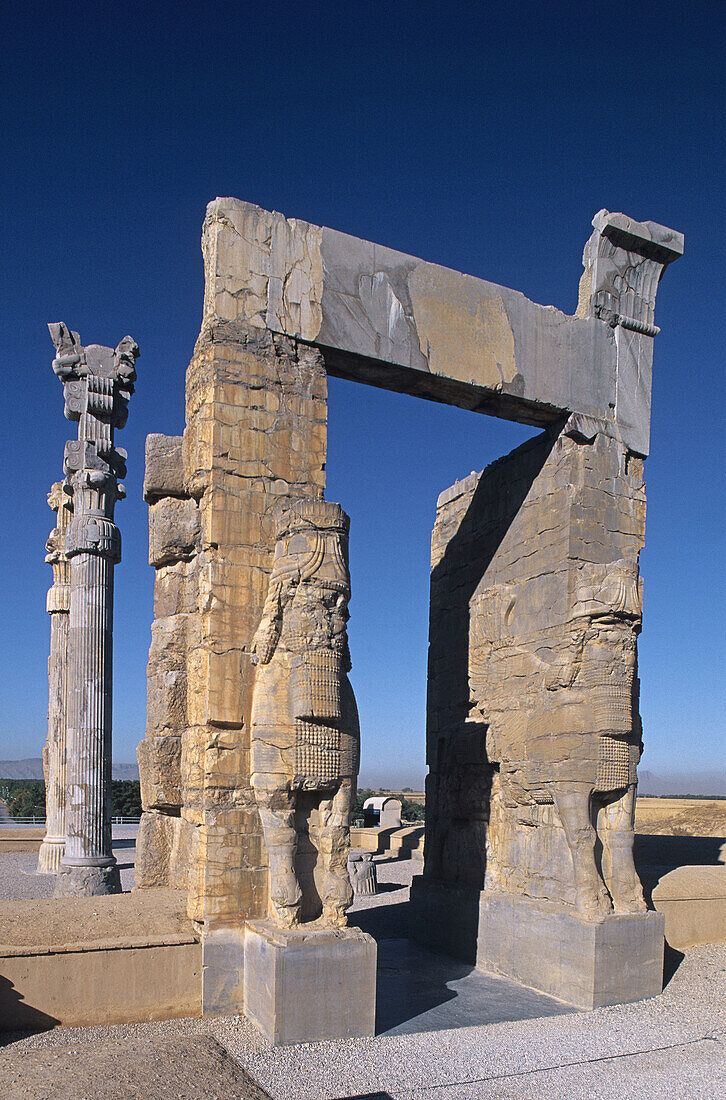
(54, 756)
(98, 383)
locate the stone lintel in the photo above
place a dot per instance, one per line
(445, 391)
(397, 322)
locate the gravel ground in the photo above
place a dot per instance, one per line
(122, 1069)
(673, 1046)
(19, 876)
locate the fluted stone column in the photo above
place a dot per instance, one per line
(60, 499)
(98, 383)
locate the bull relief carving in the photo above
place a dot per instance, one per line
(305, 732)
(561, 709)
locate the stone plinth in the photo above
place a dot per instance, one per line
(303, 986)
(614, 960)
(587, 963)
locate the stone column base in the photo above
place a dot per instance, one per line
(83, 882)
(50, 854)
(303, 986)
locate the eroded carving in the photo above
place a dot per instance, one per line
(305, 733)
(624, 261)
(569, 734)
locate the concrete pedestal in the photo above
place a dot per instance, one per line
(303, 986)
(614, 960)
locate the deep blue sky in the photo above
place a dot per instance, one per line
(480, 136)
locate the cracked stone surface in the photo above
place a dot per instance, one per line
(285, 304)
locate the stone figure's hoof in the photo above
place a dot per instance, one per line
(592, 906)
(630, 902)
(286, 892)
(286, 916)
(335, 915)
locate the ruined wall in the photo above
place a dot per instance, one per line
(167, 823)
(534, 593)
(256, 432)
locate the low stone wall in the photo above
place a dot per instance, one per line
(89, 984)
(98, 960)
(693, 902)
(405, 842)
(21, 840)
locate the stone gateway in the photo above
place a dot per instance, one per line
(249, 762)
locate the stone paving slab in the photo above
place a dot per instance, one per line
(420, 991)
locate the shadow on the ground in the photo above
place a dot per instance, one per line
(672, 959)
(383, 922)
(368, 1096)
(419, 990)
(404, 989)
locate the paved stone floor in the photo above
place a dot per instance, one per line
(444, 1032)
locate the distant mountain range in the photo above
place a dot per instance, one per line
(676, 783)
(707, 784)
(33, 769)
(704, 783)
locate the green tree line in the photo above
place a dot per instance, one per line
(26, 797)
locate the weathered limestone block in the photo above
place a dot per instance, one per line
(160, 772)
(167, 675)
(693, 902)
(279, 963)
(174, 531)
(162, 851)
(549, 604)
(164, 473)
(398, 322)
(251, 385)
(176, 589)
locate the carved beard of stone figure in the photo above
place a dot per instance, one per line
(304, 723)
